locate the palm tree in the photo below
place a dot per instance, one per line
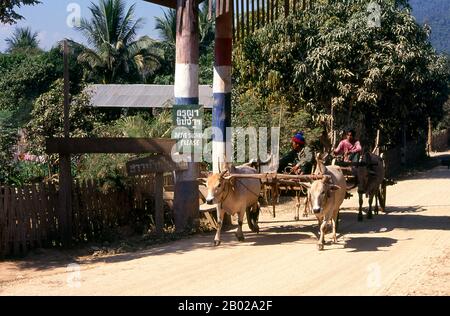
(23, 39)
(166, 27)
(206, 28)
(112, 32)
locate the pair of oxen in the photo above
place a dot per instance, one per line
(239, 195)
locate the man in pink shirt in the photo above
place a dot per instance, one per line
(349, 147)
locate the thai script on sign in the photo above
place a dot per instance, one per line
(191, 118)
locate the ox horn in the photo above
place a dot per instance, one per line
(222, 174)
(265, 162)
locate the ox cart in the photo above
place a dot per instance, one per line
(350, 170)
(275, 185)
(272, 183)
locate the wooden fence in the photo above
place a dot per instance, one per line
(398, 158)
(250, 15)
(440, 140)
(29, 217)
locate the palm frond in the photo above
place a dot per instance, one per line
(91, 58)
(22, 38)
(167, 26)
(110, 31)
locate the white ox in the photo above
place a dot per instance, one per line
(234, 195)
(326, 196)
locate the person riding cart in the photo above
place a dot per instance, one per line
(349, 147)
(300, 159)
(351, 151)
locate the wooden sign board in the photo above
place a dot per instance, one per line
(154, 164)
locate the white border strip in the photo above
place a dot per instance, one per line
(186, 81)
(222, 79)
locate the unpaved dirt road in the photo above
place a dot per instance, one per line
(403, 252)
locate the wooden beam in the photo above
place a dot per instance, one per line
(286, 8)
(257, 14)
(109, 145)
(234, 22)
(276, 176)
(253, 16)
(263, 13)
(242, 19)
(270, 9)
(166, 3)
(276, 9)
(159, 203)
(66, 89)
(248, 18)
(238, 24)
(65, 173)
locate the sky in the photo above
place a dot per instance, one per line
(50, 17)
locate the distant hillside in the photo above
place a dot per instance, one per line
(435, 13)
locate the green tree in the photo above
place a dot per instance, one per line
(445, 121)
(25, 77)
(110, 168)
(166, 27)
(8, 138)
(47, 117)
(23, 40)
(8, 14)
(115, 54)
(328, 60)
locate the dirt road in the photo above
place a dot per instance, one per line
(405, 251)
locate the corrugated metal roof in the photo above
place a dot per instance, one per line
(141, 95)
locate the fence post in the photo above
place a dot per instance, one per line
(159, 202)
(65, 174)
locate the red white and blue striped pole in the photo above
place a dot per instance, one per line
(186, 203)
(187, 52)
(221, 115)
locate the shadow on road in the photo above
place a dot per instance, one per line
(275, 239)
(404, 209)
(401, 218)
(407, 218)
(389, 209)
(360, 244)
(440, 172)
